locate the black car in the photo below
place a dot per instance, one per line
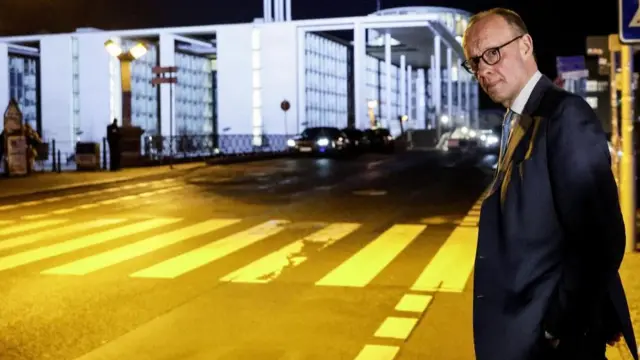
(320, 141)
(380, 140)
(358, 142)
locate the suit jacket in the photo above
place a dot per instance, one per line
(551, 238)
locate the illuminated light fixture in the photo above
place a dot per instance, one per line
(138, 51)
(112, 48)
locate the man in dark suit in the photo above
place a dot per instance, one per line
(551, 235)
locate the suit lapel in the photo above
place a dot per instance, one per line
(521, 128)
(522, 124)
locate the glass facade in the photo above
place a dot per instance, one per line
(256, 76)
(327, 82)
(75, 71)
(23, 87)
(376, 90)
(194, 95)
(144, 96)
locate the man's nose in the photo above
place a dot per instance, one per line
(484, 71)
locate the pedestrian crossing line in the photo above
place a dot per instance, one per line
(189, 261)
(450, 268)
(31, 256)
(268, 268)
(394, 327)
(103, 202)
(82, 194)
(378, 352)
(415, 303)
(30, 226)
(362, 267)
(139, 248)
(58, 232)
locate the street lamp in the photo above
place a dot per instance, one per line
(125, 57)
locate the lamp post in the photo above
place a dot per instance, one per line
(125, 58)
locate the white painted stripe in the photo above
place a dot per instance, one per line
(271, 266)
(56, 233)
(396, 327)
(450, 268)
(211, 252)
(34, 217)
(31, 256)
(378, 352)
(16, 229)
(365, 265)
(415, 303)
(139, 248)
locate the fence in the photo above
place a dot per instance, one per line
(155, 150)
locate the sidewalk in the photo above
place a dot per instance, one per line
(48, 181)
(630, 274)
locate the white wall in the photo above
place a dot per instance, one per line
(56, 79)
(94, 87)
(4, 77)
(235, 79)
(167, 58)
(279, 77)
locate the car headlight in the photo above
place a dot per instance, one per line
(492, 140)
(322, 142)
(291, 143)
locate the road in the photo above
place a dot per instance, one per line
(362, 259)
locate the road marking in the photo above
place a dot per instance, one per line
(396, 327)
(31, 256)
(269, 267)
(103, 202)
(81, 194)
(362, 267)
(416, 303)
(378, 352)
(53, 233)
(450, 268)
(211, 252)
(139, 248)
(30, 226)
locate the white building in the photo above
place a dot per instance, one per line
(232, 78)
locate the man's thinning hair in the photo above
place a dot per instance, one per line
(511, 17)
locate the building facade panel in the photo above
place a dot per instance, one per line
(326, 85)
(279, 81)
(56, 74)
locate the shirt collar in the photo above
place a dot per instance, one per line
(522, 98)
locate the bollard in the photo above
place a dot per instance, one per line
(53, 155)
(59, 169)
(104, 153)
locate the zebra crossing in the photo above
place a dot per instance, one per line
(62, 247)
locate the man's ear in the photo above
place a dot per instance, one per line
(526, 46)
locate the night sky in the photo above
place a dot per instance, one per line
(558, 27)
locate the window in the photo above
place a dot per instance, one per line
(592, 101)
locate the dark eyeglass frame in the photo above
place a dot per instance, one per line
(467, 64)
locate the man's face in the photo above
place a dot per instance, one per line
(503, 80)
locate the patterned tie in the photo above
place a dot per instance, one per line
(506, 128)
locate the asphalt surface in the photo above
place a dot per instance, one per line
(279, 259)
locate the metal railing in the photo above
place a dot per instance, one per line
(53, 156)
(212, 145)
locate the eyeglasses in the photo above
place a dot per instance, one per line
(490, 57)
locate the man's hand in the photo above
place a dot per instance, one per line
(554, 342)
(617, 337)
